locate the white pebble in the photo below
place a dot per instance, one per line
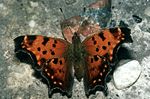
(34, 4)
(147, 11)
(32, 23)
(127, 74)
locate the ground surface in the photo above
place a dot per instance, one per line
(19, 17)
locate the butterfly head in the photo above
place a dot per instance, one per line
(76, 37)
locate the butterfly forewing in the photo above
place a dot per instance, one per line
(101, 49)
(49, 57)
(104, 42)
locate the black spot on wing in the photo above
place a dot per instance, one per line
(95, 42)
(44, 52)
(101, 35)
(39, 49)
(109, 43)
(31, 39)
(91, 60)
(113, 30)
(93, 38)
(46, 39)
(60, 62)
(104, 47)
(96, 58)
(55, 61)
(55, 41)
(97, 49)
(54, 45)
(52, 53)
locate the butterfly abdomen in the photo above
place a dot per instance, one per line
(78, 56)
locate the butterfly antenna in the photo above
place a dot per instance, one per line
(67, 24)
(64, 19)
(62, 13)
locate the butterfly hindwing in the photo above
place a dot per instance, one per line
(48, 56)
(95, 76)
(102, 49)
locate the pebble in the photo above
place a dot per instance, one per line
(126, 74)
(147, 11)
(34, 4)
(137, 19)
(32, 23)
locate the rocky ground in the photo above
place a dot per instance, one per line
(19, 17)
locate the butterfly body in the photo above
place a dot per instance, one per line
(79, 54)
(91, 59)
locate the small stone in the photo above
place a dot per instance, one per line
(69, 2)
(32, 23)
(2, 7)
(147, 11)
(34, 4)
(126, 74)
(137, 19)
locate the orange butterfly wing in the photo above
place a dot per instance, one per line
(48, 55)
(101, 49)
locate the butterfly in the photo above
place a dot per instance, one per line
(59, 61)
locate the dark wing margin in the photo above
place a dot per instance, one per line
(22, 53)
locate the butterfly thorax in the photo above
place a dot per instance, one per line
(79, 55)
